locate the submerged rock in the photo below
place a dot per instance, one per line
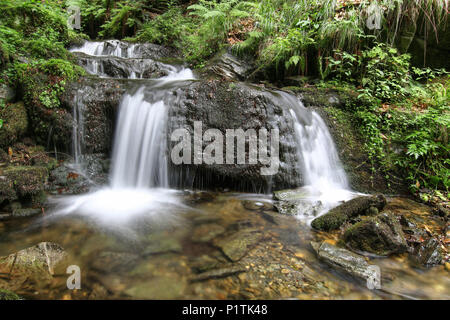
(41, 258)
(237, 244)
(381, 235)
(352, 208)
(345, 260)
(218, 273)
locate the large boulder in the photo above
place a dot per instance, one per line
(358, 206)
(234, 105)
(381, 235)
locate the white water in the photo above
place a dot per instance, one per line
(139, 175)
(326, 183)
(112, 48)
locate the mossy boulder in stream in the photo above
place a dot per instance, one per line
(352, 208)
(381, 235)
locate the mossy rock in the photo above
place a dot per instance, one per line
(8, 295)
(352, 208)
(381, 235)
(15, 123)
(7, 191)
(27, 180)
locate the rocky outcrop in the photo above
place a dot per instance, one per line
(352, 208)
(381, 235)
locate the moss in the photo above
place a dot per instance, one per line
(15, 123)
(352, 208)
(27, 180)
(8, 295)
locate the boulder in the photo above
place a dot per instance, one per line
(349, 209)
(381, 235)
(234, 105)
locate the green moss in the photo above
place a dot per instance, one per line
(352, 208)
(15, 123)
(8, 295)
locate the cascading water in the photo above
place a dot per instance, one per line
(139, 177)
(325, 180)
(139, 160)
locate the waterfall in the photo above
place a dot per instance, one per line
(324, 179)
(139, 175)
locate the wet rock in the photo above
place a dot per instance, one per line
(109, 261)
(161, 243)
(25, 183)
(234, 105)
(199, 196)
(41, 258)
(257, 205)
(442, 211)
(430, 253)
(381, 235)
(65, 180)
(116, 67)
(100, 100)
(164, 287)
(98, 292)
(218, 273)
(207, 232)
(237, 244)
(8, 295)
(204, 263)
(25, 212)
(344, 259)
(413, 234)
(15, 123)
(299, 207)
(228, 66)
(293, 202)
(352, 208)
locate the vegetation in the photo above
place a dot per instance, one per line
(403, 110)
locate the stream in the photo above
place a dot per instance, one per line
(139, 236)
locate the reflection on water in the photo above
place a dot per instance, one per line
(218, 246)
